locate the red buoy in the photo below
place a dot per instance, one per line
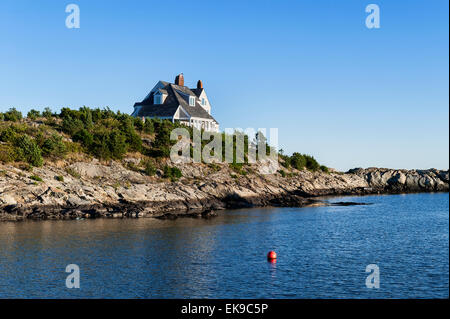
(272, 255)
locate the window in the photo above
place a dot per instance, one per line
(191, 101)
(203, 101)
(157, 99)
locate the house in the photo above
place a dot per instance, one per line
(178, 103)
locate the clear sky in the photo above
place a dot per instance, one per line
(349, 95)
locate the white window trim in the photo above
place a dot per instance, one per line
(191, 100)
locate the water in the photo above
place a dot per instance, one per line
(322, 253)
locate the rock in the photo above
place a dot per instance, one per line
(7, 199)
(347, 204)
(209, 214)
(113, 191)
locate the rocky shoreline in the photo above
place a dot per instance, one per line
(109, 190)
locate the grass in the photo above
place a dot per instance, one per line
(72, 172)
(36, 178)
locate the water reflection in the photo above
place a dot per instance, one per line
(325, 251)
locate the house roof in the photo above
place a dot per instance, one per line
(197, 91)
(176, 96)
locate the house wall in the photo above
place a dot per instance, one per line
(207, 125)
(207, 107)
(180, 115)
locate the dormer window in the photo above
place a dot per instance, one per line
(159, 97)
(203, 101)
(191, 101)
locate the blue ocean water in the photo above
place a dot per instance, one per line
(322, 253)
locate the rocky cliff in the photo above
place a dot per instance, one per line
(94, 189)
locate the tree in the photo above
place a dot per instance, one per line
(12, 115)
(33, 114)
(28, 150)
(47, 112)
(298, 161)
(54, 147)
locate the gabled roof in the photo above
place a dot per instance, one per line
(197, 91)
(176, 96)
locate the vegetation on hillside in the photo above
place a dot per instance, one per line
(104, 134)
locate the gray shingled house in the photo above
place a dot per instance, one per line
(176, 102)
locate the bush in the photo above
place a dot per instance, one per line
(33, 114)
(84, 137)
(298, 161)
(311, 163)
(172, 172)
(47, 112)
(36, 178)
(7, 154)
(149, 127)
(108, 144)
(132, 167)
(286, 161)
(72, 172)
(8, 135)
(117, 144)
(59, 178)
(138, 124)
(282, 173)
(149, 168)
(28, 150)
(324, 169)
(163, 130)
(54, 147)
(12, 115)
(71, 125)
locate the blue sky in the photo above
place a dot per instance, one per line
(349, 95)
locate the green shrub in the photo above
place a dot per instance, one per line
(117, 144)
(71, 125)
(237, 167)
(298, 161)
(28, 150)
(33, 114)
(282, 173)
(138, 124)
(108, 144)
(311, 163)
(7, 153)
(286, 161)
(12, 115)
(8, 135)
(47, 112)
(72, 172)
(132, 167)
(172, 172)
(59, 178)
(149, 127)
(36, 178)
(149, 168)
(84, 137)
(54, 147)
(324, 169)
(163, 130)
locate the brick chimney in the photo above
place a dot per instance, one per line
(199, 84)
(179, 80)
